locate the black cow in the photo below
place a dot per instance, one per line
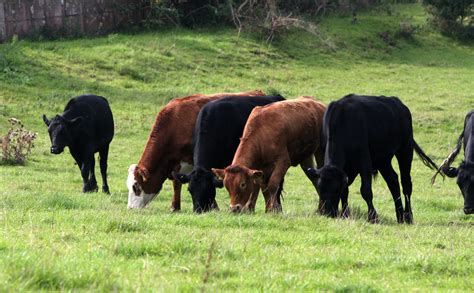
(86, 127)
(217, 133)
(363, 134)
(465, 171)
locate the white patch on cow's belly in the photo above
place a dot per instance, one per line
(185, 167)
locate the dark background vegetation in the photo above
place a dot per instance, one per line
(452, 17)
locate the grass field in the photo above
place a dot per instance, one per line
(53, 237)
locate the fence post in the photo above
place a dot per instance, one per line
(3, 28)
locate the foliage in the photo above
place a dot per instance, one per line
(17, 144)
(251, 12)
(53, 237)
(455, 17)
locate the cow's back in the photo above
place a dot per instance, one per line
(97, 116)
(171, 137)
(383, 124)
(220, 125)
(293, 127)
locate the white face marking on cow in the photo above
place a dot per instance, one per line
(134, 201)
(185, 168)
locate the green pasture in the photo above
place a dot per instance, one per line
(53, 237)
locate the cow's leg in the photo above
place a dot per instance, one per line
(77, 157)
(92, 181)
(275, 186)
(366, 188)
(103, 156)
(214, 205)
(405, 158)
(250, 205)
(346, 213)
(279, 192)
(391, 177)
(310, 162)
(87, 165)
(176, 201)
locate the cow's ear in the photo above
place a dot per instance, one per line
(220, 173)
(131, 168)
(75, 122)
(219, 183)
(143, 173)
(312, 173)
(46, 120)
(257, 176)
(181, 177)
(136, 189)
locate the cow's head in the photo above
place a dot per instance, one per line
(240, 182)
(330, 181)
(61, 131)
(138, 194)
(465, 181)
(202, 186)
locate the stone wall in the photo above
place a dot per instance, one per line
(66, 17)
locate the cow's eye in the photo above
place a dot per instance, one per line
(136, 189)
(243, 185)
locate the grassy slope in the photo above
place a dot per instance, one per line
(54, 237)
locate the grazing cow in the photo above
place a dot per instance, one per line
(169, 148)
(276, 137)
(219, 127)
(465, 171)
(363, 134)
(86, 127)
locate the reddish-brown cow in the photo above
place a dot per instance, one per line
(276, 136)
(168, 148)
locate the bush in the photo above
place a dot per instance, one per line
(17, 143)
(267, 17)
(406, 30)
(204, 12)
(454, 17)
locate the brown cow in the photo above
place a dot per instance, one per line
(276, 136)
(169, 148)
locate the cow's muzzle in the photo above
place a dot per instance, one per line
(236, 208)
(56, 150)
(469, 210)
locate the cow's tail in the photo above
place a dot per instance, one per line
(424, 157)
(449, 160)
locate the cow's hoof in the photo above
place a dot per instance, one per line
(408, 218)
(346, 214)
(373, 217)
(105, 189)
(90, 187)
(400, 219)
(175, 209)
(274, 209)
(215, 207)
(89, 190)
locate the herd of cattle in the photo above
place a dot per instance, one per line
(247, 141)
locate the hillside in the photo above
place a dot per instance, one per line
(53, 237)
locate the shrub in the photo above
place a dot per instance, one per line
(17, 143)
(454, 17)
(205, 12)
(406, 30)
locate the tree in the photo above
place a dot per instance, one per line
(452, 16)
